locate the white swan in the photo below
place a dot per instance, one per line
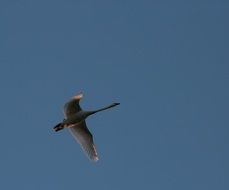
(75, 122)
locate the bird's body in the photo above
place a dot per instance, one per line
(76, 118)
(75, 121)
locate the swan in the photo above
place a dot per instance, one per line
(74, 120)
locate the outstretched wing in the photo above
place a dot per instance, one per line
(83, 136)
(72, 106)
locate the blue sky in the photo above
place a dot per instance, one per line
(166, 62)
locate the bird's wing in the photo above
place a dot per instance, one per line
(72, 106)
(83, 136)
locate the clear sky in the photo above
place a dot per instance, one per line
(166, 62)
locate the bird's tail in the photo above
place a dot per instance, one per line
(58, 127)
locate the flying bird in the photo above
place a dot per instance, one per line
(74, 120)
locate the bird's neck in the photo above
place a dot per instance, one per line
(102, 109)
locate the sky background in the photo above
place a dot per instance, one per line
(166, 62)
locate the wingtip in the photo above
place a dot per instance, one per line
(95, 159)
(79, 96)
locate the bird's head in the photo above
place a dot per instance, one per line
(115, 104)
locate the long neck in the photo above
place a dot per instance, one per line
(105, 108)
